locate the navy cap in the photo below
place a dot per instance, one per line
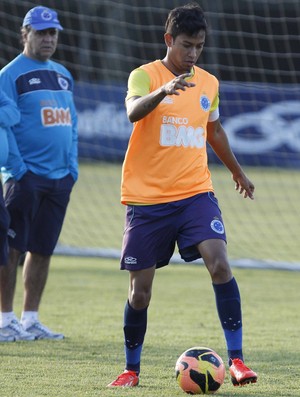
(40, 18)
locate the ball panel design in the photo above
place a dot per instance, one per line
(200, 370)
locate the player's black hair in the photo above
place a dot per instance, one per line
(188, 19)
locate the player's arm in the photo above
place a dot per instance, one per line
(15, 166)
(73, 154)
(73, 161)
(9, 112)
(139, 106)
(217, 139)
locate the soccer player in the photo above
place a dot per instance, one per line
(41, 169)
(167, 187)
(9, 116)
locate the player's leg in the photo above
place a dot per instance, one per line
(148, 243)
(4, 225)
(208, 228)
(11, 329)
(228, 303)
(135, 315)
(44, 233)
(18, 201)
(35, 273)
(8, 276)
(226, 292)
(135, 325)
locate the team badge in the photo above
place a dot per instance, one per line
(63, 83)
(205, 103)
(46, 15)
(217, 226)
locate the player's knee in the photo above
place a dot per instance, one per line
(219, 270)
(139, 299)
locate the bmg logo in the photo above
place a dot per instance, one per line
(56, 117)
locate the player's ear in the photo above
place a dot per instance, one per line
(168, 39)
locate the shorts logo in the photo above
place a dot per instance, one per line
(217, 226)
(205, 103)
(130, 260)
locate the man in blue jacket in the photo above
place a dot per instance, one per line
(9, 115)
(41, 170)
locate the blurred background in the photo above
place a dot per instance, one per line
(252, 47)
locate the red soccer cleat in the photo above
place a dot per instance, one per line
(241, 374)
(126, 379)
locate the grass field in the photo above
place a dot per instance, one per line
(85, 300)
(267, 228)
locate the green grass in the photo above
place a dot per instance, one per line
(267, 228)
(85, 298)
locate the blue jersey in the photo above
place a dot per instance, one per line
(9, 116)
(46, 136)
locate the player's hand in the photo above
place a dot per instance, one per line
(244, 186)
(179, 83)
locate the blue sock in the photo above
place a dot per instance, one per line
(135, 325)
(229, 310)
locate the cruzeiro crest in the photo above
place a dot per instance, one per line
(217, 226)
(63, 82)
(46, 15)
(205, 103)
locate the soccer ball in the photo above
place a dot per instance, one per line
(200, 370)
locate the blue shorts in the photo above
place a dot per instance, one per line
(37, 208)
(152, 231)
(4, 224)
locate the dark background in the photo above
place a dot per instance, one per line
(248, 40)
